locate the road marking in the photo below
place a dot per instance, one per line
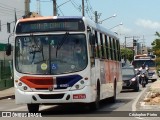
(19, 108)
(128, 98)
(46, 107)
(136, 100)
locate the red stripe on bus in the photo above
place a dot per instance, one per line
(37, 82)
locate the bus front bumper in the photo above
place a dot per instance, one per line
(85, 95)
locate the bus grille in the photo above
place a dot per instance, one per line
(51, 96)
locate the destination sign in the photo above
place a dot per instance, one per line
(49, 26)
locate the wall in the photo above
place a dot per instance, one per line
(7, 14)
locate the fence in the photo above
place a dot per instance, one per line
(6, 74)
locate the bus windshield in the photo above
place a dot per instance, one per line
(139, 63)
(51, 54)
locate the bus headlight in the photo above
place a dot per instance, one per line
(25, 87)
(82, 82)
(79, 85)
(21, 86)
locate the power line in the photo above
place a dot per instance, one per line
(10, 7)
(89, 10)
(76, 6)
(89, 4)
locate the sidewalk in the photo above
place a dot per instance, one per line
(151, 98)
(7, 93)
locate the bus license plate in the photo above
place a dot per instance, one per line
(79, 96)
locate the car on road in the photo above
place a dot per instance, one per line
(130, 78)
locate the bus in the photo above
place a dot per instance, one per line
(62, 60)
(148, 60)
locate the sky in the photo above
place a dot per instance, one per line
(140, 18)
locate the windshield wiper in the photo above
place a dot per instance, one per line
(62, 42)
(36, 48)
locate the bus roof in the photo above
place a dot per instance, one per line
(47, 17)
(100, 28)
(87, 21)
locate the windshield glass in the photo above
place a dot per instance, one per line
(128, 72)
(52, 54)
(139, 63)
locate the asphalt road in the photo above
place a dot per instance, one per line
(126, 103)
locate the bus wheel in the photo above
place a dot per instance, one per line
(154, 80)
(33, 108)
(95, 105)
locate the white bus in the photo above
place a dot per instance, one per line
(60, 60)
(148, 60)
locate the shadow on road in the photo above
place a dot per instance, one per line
(82, 110)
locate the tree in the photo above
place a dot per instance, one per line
(156, 48)
(156, 45)
(127, 54)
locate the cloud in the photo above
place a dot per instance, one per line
(148, 24)
(123, 30)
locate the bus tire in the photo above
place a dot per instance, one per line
(113, 98)
(154, 80)
(95, 105)
(33, 108)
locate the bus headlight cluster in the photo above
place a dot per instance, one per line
(79, 85)
(22, 86)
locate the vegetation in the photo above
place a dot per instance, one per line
(156, 48)
(127, 53)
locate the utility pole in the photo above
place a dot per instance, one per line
(54, 7)
(83, 14)
(125, 42)
(96, 17)
(38, 7)
(27, 7)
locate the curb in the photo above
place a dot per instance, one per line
(9, 96)
(136, 103)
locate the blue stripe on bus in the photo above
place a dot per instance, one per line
(67, 81)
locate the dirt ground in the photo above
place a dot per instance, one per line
(152, 99)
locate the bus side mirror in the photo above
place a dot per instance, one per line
(92, 39)
(8, 49)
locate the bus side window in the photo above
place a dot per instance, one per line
(106, 46)
(110, 48)
(96, 45)
(102, 46)
(92, 48)
(114, 49)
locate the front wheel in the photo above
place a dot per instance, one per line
(143, 84)
(137, 88)
(33, 108)
(95, 105)
(154, 80)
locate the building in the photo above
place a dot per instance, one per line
(11, 10)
